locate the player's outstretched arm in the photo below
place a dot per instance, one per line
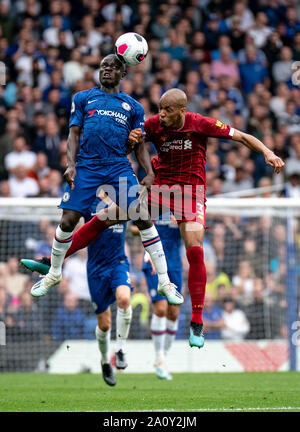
(255, 144)
(72, 150)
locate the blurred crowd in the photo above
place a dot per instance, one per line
(236, 61)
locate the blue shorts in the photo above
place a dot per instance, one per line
(103, 285)
(118, 180)
(152, 282)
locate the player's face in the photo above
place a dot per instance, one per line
(170, 115)
(111, 72)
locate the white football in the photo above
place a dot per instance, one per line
(131, 48)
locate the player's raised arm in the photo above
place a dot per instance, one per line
(255, 144)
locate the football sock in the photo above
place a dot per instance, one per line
(123, 326)
(196, 281)
(61, 243)
(158, 332)
(86, 234)
(103, 339)
(172, 327)
(152, 244)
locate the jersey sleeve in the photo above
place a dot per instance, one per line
(138, 120)
(212, 128)
(77, 110)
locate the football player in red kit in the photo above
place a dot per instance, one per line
(180, 139)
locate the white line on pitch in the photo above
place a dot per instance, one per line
(219, 409)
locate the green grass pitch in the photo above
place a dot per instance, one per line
(268, 391)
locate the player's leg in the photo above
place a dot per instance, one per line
(102, 333)
(60, 245)
(171, 327)
(124, 315)
(158, 334)
(193, 235)
(75, 203)
(153, 245)
(84, 236)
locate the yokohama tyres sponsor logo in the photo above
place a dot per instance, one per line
(108, 113)
(253, 358)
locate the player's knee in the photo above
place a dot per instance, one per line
(143, 224)
(69, 222)
(160, 309)
(105, 326)
(123, 301)
(195, 253)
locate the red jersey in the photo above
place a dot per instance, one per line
(182, 153)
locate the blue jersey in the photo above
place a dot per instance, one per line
(106, 121)
(107, 250)
(171, 241)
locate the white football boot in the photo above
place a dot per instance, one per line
(41, 287)
(168, 289)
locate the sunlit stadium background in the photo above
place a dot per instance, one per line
(237, 62)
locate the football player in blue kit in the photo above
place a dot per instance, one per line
(103, 121)
(109, 281)
(164, 322)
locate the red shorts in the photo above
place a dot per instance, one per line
(186, 202)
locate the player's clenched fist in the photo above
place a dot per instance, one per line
(136, 136)
(69, 176)
(274, 161)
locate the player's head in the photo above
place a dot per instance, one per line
(172, 108)
(112, 70)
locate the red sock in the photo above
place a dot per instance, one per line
(196, 281)
(86, 235)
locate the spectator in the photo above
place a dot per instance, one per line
(290, 119)
(213, 321)
(260, 31)
(226, 65)
(14, 280)
(5, 189)
(252, 71)
(50, 143)
(214, 280)
(94, 38)
(68, 320)
(19, 156)
(244, 279)
(236, 325)
(27, 319)
(257, 311)
(292, 186)
(21, 185)
(52, 35)
(282, 69)
(43, 247)
(242, 181)
(75, 273)
(73, 70)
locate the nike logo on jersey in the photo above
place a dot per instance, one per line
(94, 100)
